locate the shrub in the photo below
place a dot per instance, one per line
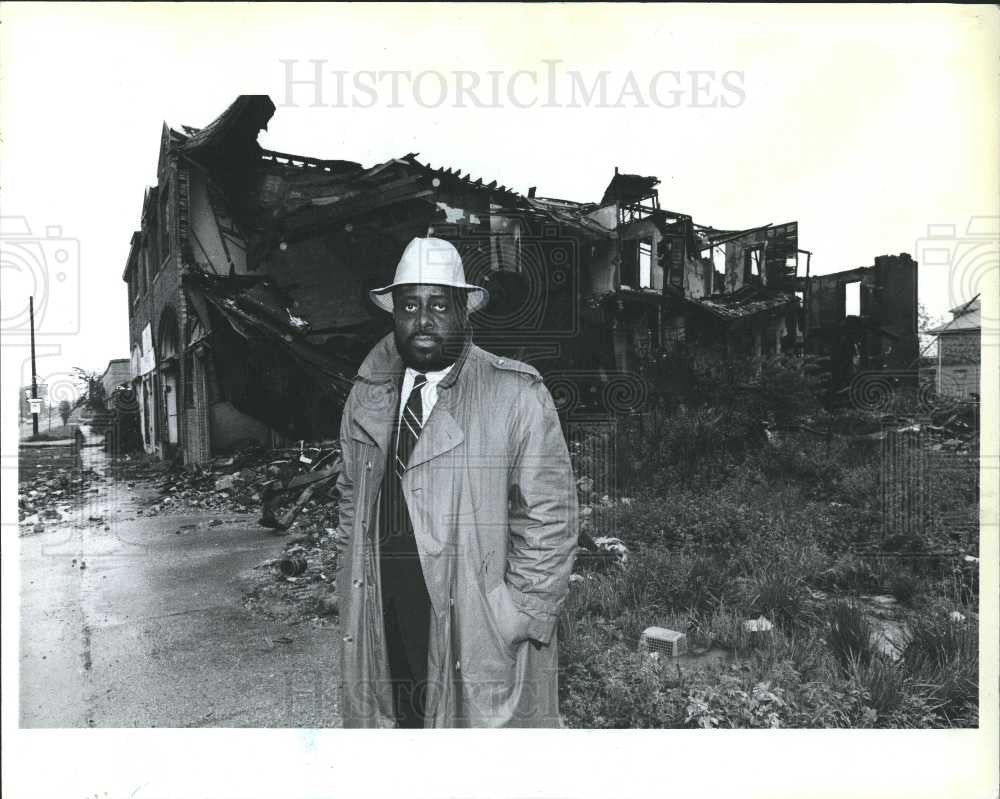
(852, 572)
(936, 641)
(904, 586)
(822, 704)
(802, 459)
(849, 636)
(790, 386)
(707, 583)
(724, 627)
(803, 650)
(729, 702)
(942, 656)
(619, 688)
(780, 596)
(965, 582)
(692, 445)
(882, 681)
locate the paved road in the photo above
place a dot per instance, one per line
(139, 626)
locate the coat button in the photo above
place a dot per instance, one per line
(348, 639)
(358, 583)
(368, 466)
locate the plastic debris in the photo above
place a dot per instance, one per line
(758, 625)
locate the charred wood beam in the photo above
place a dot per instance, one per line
(733, 236)
(320, 220)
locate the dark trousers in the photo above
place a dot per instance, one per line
(406, 607)
(407, 623)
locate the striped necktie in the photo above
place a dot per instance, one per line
(410, 425)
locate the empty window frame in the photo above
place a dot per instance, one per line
(646, 264)
(852, 298)
(752, 257)
(629, 275)
(718, 257)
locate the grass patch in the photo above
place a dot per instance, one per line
(725, 525)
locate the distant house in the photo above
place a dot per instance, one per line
(959, 351)
(115, 375)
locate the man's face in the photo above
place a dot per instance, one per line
(431, 323)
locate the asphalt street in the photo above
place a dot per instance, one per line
(138, 621)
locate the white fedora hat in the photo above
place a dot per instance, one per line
(433, 262)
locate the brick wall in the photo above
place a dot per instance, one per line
(163, 290)
(197, 443)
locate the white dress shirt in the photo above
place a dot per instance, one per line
(428, 394)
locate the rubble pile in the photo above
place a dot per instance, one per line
(957, 431)
(202, 488)
(49, 493)
(300, 585)
(235, 483)
(953, 429)
(249, 482)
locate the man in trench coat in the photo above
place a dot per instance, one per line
(454, 558)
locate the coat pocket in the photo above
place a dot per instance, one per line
(507, 623)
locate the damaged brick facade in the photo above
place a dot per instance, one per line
(865, 320)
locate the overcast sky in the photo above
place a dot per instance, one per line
(867, 125)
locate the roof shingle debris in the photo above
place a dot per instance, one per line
(746, 302)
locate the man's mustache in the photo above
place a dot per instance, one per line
(437, 339)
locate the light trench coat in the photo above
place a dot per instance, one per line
(491, 495)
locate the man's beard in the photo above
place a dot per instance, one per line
(444, 354)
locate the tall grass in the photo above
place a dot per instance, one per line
(724, 525)
(850, 636)
(942, 656)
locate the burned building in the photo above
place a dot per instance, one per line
(864, 320)
(248, 281)
(645, 281)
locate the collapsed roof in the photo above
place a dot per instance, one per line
(267, 366)
(745, 302)
(625, 188)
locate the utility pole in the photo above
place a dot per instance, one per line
(34, 375)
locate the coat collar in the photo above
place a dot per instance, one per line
(381, 375)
